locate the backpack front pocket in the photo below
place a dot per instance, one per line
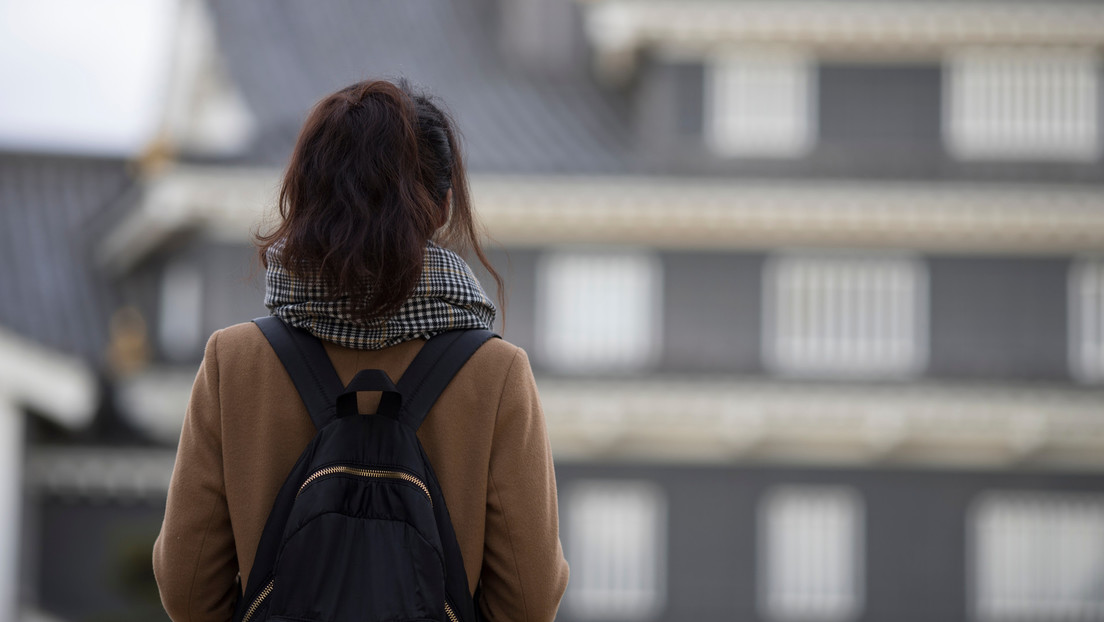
(356, 548)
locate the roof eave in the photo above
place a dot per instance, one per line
(62, 388)
(673, 213)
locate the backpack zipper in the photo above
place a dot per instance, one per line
(347, 470)
(257, 601)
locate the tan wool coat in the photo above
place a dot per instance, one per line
(245, 427)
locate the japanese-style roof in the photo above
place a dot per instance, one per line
(50, 290)
(286, 55)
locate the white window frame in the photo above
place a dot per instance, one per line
(760, 103)
(578, 289)
(180, 317)
(1023, 104)
(811, 556)
(1086, 319)
(618, 566)
(874, 324)
(1030, 553)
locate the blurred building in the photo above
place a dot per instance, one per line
(814, 290)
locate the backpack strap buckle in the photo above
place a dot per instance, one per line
(370, 380)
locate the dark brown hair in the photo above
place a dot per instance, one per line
(367, 187)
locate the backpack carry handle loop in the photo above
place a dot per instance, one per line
(370, 380)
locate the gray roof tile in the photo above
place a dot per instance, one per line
(286, 55)
(50, 291)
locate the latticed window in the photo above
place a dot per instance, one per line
(760, 104)
(616, 540)
(1023, 104)
(838, 315)
(811, 553)
(181, 311)
(1038, 556)
(599, 311)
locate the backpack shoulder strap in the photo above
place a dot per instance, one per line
(309, 366)
(433, 369)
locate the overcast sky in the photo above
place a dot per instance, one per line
(83, 76)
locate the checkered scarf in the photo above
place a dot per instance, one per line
(448, 296)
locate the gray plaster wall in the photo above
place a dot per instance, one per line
(874, 121)
(518, 269)
(999, 317)
(712, 315)
(234, 290)
(878, 118)
(711, 308)
(668, 100)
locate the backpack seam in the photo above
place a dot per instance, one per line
(439, 554)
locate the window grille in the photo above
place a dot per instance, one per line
(760, 104)
(1086, 303)
(599, 311)
(1041, 104)
(811, 554)
(180, 324)
(616, 545)
(1038, 556)
(845, 316)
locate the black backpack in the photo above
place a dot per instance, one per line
(360, 531)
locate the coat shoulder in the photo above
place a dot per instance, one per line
(244, 335)
(240, 342)
(497, 353)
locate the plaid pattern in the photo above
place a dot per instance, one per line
(448, 296)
